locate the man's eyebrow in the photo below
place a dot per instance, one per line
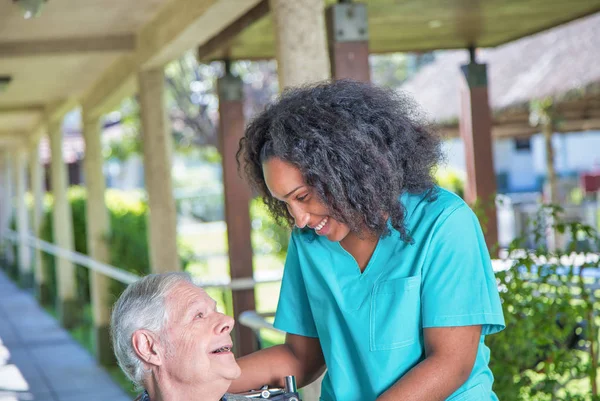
(193, 305)
(292, 191)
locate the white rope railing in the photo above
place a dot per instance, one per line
(126, 277)
(113, 272)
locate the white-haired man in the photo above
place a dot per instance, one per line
(170, 340)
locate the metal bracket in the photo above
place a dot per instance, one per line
(230, 88)
(475, 74)
(348, 22)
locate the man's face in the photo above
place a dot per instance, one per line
(197, 339)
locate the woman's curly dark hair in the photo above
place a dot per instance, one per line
(357, 145)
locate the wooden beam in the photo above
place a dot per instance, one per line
(57, 110)
(13, 139)
(223, 38)
(119, 78)
(20, 119)
(181, 25)
(524, 130)
(112, 44)
(568, 17)
(22, 109)
(37, 133)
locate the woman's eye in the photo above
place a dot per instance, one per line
(302, 198)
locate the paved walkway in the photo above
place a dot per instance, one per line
(39, 360)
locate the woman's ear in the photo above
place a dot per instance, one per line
(147, 348)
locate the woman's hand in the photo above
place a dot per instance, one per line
(300, 356)
(450, 356)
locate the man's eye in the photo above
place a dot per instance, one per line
(200, 315)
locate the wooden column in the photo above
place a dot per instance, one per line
(97, 228)
(36, 171)
(476, 131)
(348, 40)
(62, 227)
(237, 203)
(7, 203)
(24, 251)
(300, 41)
(157, 144)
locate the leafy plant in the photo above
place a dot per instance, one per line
(551, 340)
(267, 235)
(451, 180)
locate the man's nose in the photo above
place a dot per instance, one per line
(225, 325)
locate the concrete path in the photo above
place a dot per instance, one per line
(40, 361)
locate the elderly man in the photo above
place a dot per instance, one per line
(170, 340)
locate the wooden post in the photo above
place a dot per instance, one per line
(548, 131)
(7, 204)
(37, 190)
(69, 310)
(157, 144)
(476, 131)
(300, 42)
(97, 227)
(237, 203)
(348, 39)
(24, 252)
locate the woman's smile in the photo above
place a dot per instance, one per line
(322, 227)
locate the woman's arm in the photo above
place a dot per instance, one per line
(300, 356)
(450, 356)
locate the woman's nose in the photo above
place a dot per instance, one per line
(301, 218)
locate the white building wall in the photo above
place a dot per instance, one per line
(574, 153)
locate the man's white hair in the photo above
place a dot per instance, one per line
(141, 306)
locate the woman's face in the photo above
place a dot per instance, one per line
(286, 183)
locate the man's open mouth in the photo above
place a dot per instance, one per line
(226, 348)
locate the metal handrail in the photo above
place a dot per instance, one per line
(124, 276)
(256, 321)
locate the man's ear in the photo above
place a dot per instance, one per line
(147, 348)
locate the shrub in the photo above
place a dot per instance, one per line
(77, 200)
(267, 235)
(451, 180)
(127, 239)
(551, 336)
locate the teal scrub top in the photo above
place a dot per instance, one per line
(370, 324)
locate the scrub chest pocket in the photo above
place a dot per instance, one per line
(395, 313)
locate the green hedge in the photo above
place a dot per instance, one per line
(549, 349)
(267, 235)
(127, 239)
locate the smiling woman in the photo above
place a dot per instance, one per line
(387, 282)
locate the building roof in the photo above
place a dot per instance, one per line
(418, 25)
(561, 63)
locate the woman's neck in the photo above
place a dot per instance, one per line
(360, 248)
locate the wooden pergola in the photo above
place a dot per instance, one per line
(91, 54)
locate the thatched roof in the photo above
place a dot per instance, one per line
(563, 62)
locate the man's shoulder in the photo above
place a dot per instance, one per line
(142, 397)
